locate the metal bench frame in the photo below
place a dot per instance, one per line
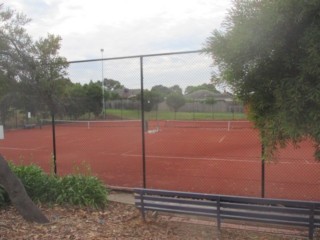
(260, 210)
(29, 126)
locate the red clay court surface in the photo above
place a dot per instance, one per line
(198, 159)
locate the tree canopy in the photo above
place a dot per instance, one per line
(269, 54)
(33, 75)
(175, 101)
(204, 86)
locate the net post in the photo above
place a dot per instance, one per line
(229, 125)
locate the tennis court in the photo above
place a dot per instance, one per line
(222, 157)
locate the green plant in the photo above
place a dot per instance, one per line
(77, 189)
(81, 190)
(34, 180)
(83, 168)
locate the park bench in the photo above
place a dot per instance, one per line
(29, 125)
(304, 214)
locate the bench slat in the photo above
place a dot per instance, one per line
(264, 210)
(188, 208)
(267, 208)
(175, 200)
(265, 215)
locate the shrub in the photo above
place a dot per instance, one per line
(35, 181)
(76, 189)
(81, 190)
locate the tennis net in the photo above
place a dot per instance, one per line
(223, 125)
(94, 124)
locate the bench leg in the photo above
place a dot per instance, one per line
(218, 220)
(142, 209)
(311, 223)
(143, 215)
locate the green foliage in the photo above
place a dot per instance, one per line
(45, 71)
(75, 100)
(175, 101)
(176, 89)
(38, 185)
(163, 91)
(93, 97)
(112, 85)
(13, 39)
(205, 86)
(80, 190)
(151, 99)
(269, 55)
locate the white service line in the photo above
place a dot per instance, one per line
(192, 158)
(221, 139)
(22, 149)
(216, 159)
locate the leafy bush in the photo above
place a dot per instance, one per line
(81, 190)
(36, 182)
(71, 189)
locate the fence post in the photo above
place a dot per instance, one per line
(143, 125)
(54, 143)
(262, 172)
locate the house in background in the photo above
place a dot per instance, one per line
(197, 101)
(207, 101)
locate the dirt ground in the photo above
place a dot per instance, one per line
(117, 221)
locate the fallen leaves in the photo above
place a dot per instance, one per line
(117, 221)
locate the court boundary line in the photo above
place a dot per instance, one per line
(23, 149)
(213, 159)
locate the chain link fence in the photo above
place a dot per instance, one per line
(156, 121)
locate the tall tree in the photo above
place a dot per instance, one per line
(176, 89)
(112, 85)
(205, 86)
(15, 45)
(44, 72)
(269, 53)
(151, 99)
(93, 97)
(14, 41)
(175, 101)
(75, 100)
(162, 90)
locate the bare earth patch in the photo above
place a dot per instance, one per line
(117, 221)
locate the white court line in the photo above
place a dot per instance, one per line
(221, 139)
(190, 158)
(214, 159)
(22, 149)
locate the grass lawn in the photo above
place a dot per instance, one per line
(169, 115)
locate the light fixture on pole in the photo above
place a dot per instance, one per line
(102, 86)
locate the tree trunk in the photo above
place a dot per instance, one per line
(18, 195)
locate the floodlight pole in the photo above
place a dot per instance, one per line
(102, 86)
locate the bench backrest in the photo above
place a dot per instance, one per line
(274, 211)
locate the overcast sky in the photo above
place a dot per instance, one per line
(123, 27)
